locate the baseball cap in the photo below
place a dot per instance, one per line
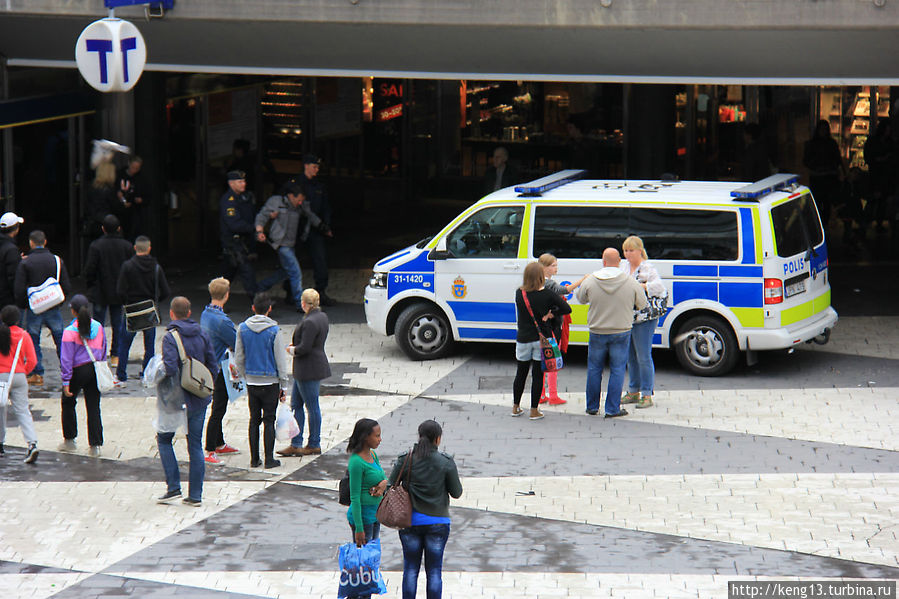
(236, 175)
(10, 220)
(311, 159)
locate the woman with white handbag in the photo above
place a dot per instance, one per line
(17, 359)
(79, 373)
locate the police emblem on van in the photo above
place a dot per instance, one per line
(459, 289)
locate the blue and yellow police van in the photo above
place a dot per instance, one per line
(745, 265)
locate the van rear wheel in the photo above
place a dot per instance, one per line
(423, 332)
(706, 346)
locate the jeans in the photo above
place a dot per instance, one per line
(125, 349)
(615, 346)
(641, 372)
(195, 420)
(214, 436)
(431, 540)
(116, 323)
(372, 532)
(52, 318)
(84, 378)
(315, 244)
(305, 394)
(290, 268)
(263, 402)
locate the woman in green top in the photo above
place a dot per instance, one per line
(367, 481)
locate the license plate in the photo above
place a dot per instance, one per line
(794, 288)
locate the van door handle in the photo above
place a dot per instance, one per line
(512, 266)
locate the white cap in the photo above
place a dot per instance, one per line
(10, 220)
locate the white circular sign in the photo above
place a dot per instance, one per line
(111, 55)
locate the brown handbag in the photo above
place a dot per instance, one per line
(395, 509)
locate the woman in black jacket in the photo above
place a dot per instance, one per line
(432, 481)
(310, 367)
(545, 305)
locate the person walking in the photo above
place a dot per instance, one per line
(310, 367)
(317, 197)
(83, 335)
(367, 482)
(821, 156)
(640, 368)
(140, 279)
(237, 213)
(612, 297)
(223, 336)
(105, 258)
(291, 220)
(34, 270)
(16, 346)
(535, 305)
(559, 325)
(432, 480)
(196, 345)
(260, 358)
(10, 256)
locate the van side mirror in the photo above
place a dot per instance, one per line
(440, 252)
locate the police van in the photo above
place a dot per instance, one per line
(745, 265)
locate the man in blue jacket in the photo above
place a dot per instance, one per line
(223, 335)
(198, 346)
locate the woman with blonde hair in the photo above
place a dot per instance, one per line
(535, 306)
(102, 199)
(640, 368)
(559, 325)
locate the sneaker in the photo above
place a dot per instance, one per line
(273, 464)
(35, 379)
(117, 383)
(191, 502)
(94, 451)
(30, 455)
(631, 397)
(645, 402)
(516, 411)
(621, 412)
(169, 496)
(211, 458)
(226, 449)
(67, 445)
(535, 414)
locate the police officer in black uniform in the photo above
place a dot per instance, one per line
(317, 197)
(236, 215)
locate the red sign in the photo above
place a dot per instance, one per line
(390, 113)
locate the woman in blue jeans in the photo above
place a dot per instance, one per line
(640, 368)
(432, 481)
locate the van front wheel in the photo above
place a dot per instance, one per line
(423, 332)
(706, 346)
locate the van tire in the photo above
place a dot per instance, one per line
(423, 332)
(706, 346)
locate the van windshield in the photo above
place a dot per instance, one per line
(796, 226)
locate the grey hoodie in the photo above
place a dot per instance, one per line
(612, 297)
(258, 323)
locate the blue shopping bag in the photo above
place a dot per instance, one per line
(360, 570)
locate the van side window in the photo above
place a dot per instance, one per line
(796, 226)
(674, 234)
(493, 232)
(578, 231)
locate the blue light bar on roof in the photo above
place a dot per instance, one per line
(765, 186)
(544, 184)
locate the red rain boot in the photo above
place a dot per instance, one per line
(543, 397)
(550, 389)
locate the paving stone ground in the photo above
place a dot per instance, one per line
(787, 469)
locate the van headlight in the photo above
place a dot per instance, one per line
(378, 280)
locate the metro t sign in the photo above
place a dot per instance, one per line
(111, 55)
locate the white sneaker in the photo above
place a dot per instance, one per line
(94, 451)
(67, 445)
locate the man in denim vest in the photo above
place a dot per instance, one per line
(261, 360)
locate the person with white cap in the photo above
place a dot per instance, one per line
(10, 256)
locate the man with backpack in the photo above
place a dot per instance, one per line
(186, 342)
(41, 286)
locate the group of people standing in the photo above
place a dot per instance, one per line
(619, 318)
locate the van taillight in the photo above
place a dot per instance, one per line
(774, 291)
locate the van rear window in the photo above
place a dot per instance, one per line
(796, 226)
(667, 233)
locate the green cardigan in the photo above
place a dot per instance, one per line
(363, 476)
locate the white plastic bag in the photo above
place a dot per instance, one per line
(154, 372)
(286, 427)
(171, 411)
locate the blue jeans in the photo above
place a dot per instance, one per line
(641, 372)
(372, 532)
(116, 323)
(52, 319)
(305, 394)
(431, 540)
(290, 269)
(616, 347)
(195, 421)
(125, 349)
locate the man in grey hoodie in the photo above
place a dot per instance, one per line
(612, 297)
(261, 359)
